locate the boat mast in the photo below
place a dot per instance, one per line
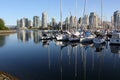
(84, 8)
(76, 15)
(101, 14)
(84, 11)
(61, 14)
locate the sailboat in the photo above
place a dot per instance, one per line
(75, 36)
(62, 36)
(87, 36)
(99, 39)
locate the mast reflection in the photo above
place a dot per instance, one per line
(83, 54)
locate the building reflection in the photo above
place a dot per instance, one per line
(36, 37)
(24, 36)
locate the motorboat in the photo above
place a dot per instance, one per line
(87, 38)
(45, 36)
(62, 36)
(115, 39)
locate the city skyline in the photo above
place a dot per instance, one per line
(13, 10)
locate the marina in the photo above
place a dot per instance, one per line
(60, 40)
(31, 58)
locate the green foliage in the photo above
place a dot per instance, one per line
(2, 25)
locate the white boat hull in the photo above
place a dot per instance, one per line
(87, 39)
(115, 41)
(115, 38)
(61, 37)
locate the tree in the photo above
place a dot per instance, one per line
(2, 25)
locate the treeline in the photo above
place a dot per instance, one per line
(2, 25)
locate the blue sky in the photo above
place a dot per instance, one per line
(11, 10)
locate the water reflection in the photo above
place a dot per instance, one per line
(45, 43)
(115, 49)
(61, 70)
(99, 47)
(60, 60)
(36, 37)
(24, 36)
(49, 57)
(2, 40)
(84, 55)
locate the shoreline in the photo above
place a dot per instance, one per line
(7, 32)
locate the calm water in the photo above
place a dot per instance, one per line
(26, 57)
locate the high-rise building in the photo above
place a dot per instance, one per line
(80, 20)
(23, 22)
(44, 20)
(75, 21)
(67, 23)
(72, 21)
(30, 23)
(26, 22)
(93, 20)
(117, 19)
(36, 22)
(99, 21)
(112, 20)
(53, 22)
(85, 20)
(18, 23)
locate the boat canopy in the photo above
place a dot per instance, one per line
(116, 35)
(88, 33)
